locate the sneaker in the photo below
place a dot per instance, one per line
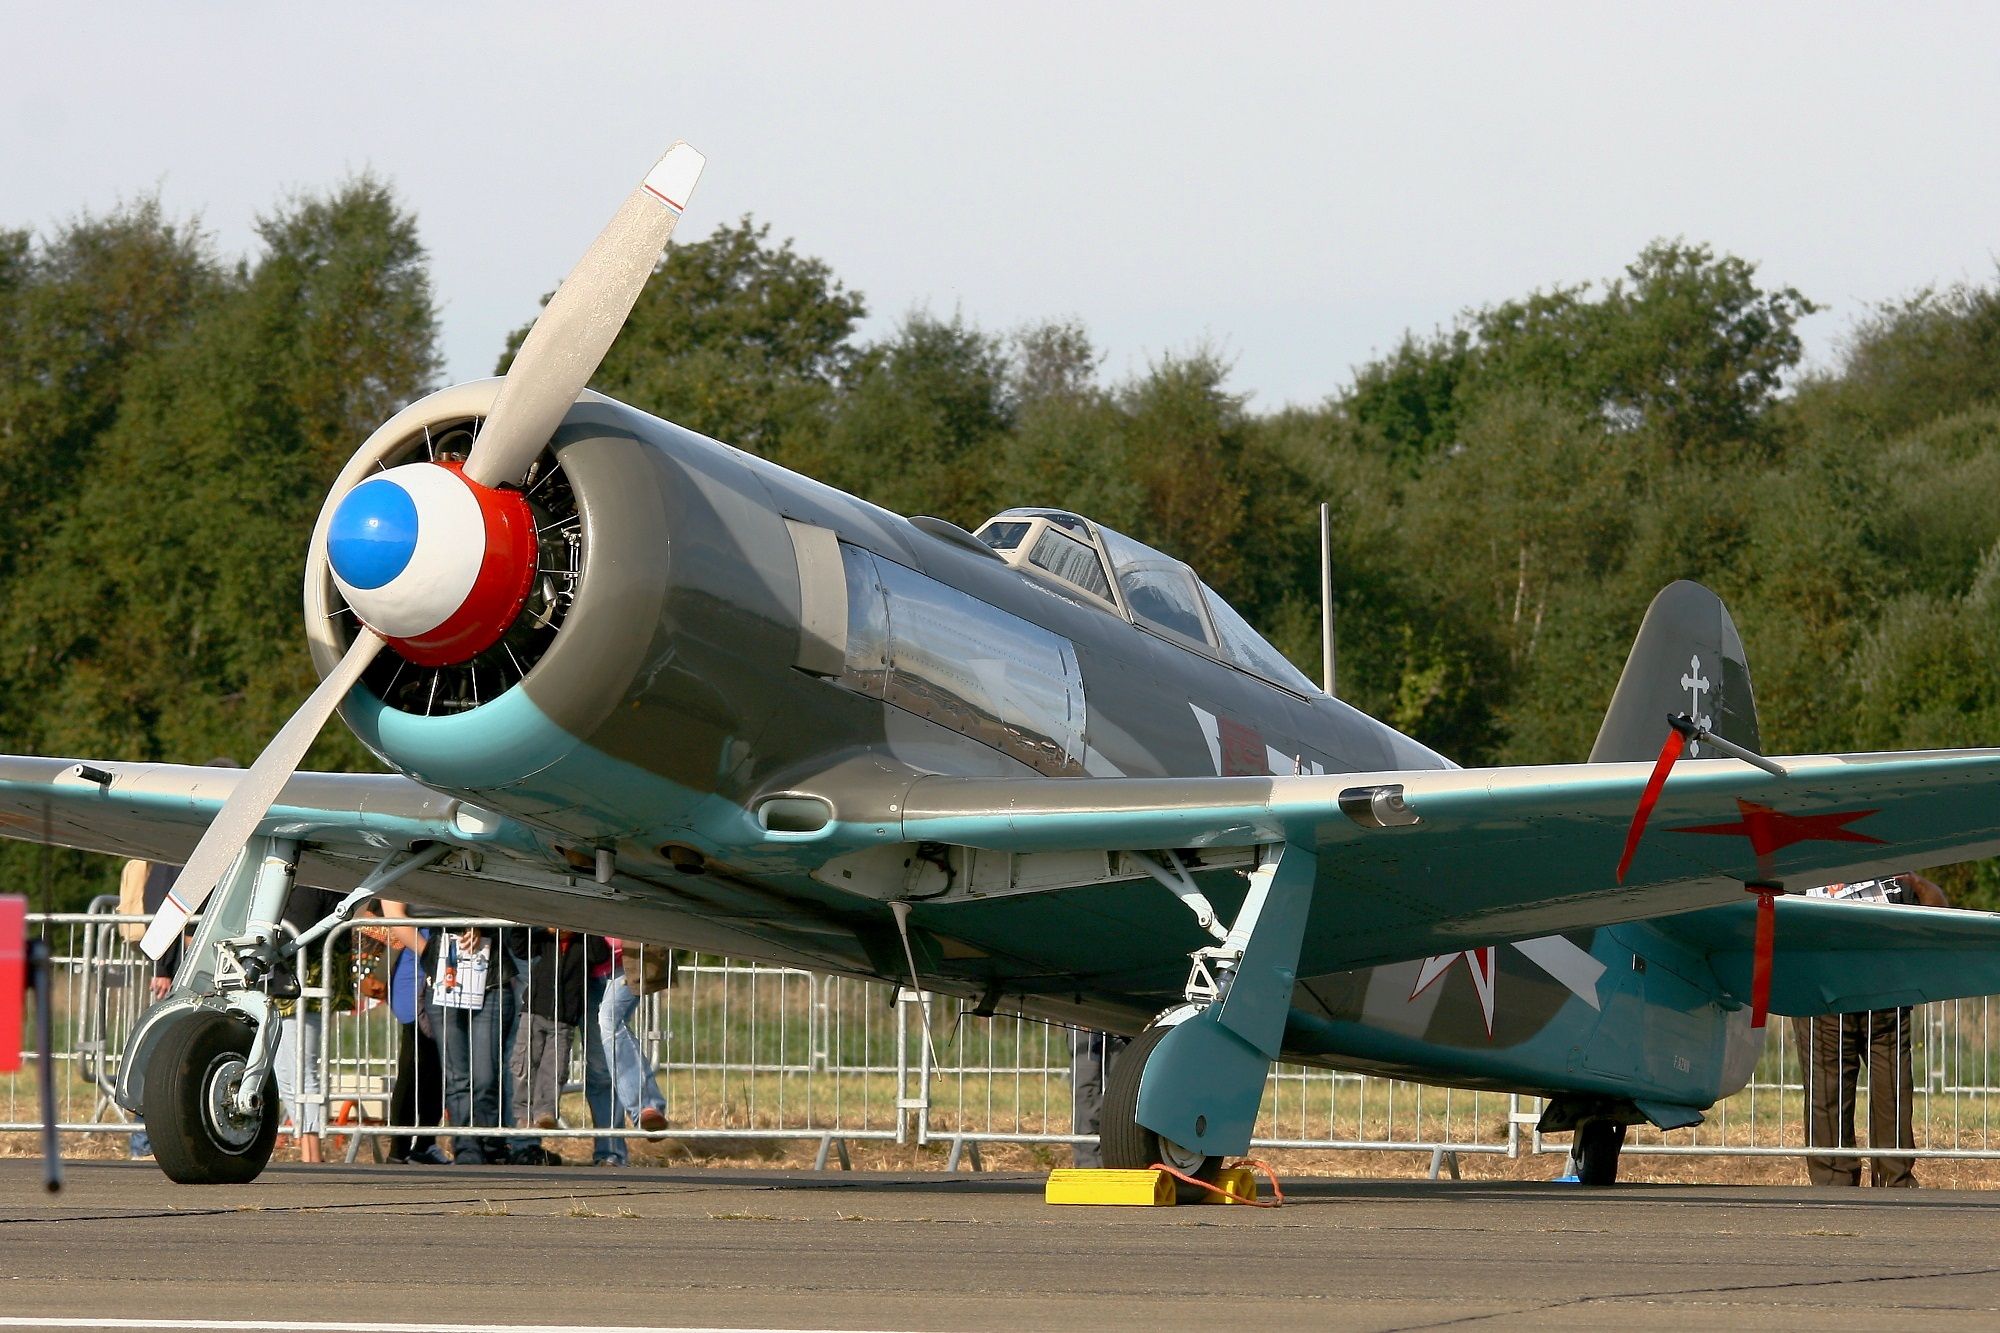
(533, 1156)
(431, 1156)
(606, 1161)
(652, 1119)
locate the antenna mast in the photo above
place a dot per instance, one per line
(1326, 596)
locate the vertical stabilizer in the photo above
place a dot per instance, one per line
(1687, 658)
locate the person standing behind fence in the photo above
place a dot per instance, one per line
(296, 1063)
(1091, 1054)
(1832, 1048)
(559, 964)
(469, 999)
(638, 970)
(142, 887)
(417, 1097)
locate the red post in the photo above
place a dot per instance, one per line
(13, 978)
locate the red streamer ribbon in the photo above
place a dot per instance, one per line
(1662, 766)
(1767, 937)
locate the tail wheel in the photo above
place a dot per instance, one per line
(1598, 1143)
(1128, 1145)
(198, 1139)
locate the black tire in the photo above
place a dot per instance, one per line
(1598, 1143)
(1124, 1143)
(196, 1063)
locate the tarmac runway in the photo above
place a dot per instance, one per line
(458, 1248)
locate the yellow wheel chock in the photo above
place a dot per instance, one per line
(1145, 1189)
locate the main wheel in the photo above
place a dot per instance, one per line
(197, 1066)
(1128, 1145)
(1598, 1143)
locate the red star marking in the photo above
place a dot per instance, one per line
(1772, 831)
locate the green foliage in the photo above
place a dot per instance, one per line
(1911, 362)
(154, 615)
(1507, 494)
(1406, 404)
(736, 338)
(1683, 356)
(922, 422)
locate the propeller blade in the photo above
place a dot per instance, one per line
(576, 328)
(255, 792)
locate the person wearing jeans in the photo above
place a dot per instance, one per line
(469, 1020)
(635, 1086)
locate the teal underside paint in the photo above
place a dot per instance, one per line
(498, 744)
(1842, 957)
(509, 756)
(1655, 1034)
(1670, 1115)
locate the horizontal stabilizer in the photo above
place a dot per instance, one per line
(1839, 957)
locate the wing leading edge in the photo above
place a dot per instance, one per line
(1514, 853)
(158, 811)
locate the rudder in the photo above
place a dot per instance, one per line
(1687, 658)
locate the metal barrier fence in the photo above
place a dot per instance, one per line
(741, 1052)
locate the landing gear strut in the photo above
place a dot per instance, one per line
(1185, 1093)
(198, 1065)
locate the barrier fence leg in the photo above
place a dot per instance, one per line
(1442, 1159)
(829, 1145)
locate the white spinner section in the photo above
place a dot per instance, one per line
(442, 567)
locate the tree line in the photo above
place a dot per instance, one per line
(1508, 492)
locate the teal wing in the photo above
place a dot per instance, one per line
(1838, 957)
(1491, 855)
(157, 811)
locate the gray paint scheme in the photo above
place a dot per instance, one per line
(695, 676)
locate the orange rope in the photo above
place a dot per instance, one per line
(1276, 1200)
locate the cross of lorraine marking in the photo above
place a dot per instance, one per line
(1696, 685)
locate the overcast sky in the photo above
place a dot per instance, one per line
(1296, 184)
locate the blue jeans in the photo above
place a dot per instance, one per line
(597, 1080)
(634, 1084)
(475, 1069)
(297, 1059)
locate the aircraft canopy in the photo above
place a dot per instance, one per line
(1131, 579)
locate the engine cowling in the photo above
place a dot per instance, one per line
(480, 591)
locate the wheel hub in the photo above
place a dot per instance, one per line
(1189, 1160)
(219, 1085)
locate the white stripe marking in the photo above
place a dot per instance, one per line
(1567, 963)
(352, 1326)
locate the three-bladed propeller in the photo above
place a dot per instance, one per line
(561, 352)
